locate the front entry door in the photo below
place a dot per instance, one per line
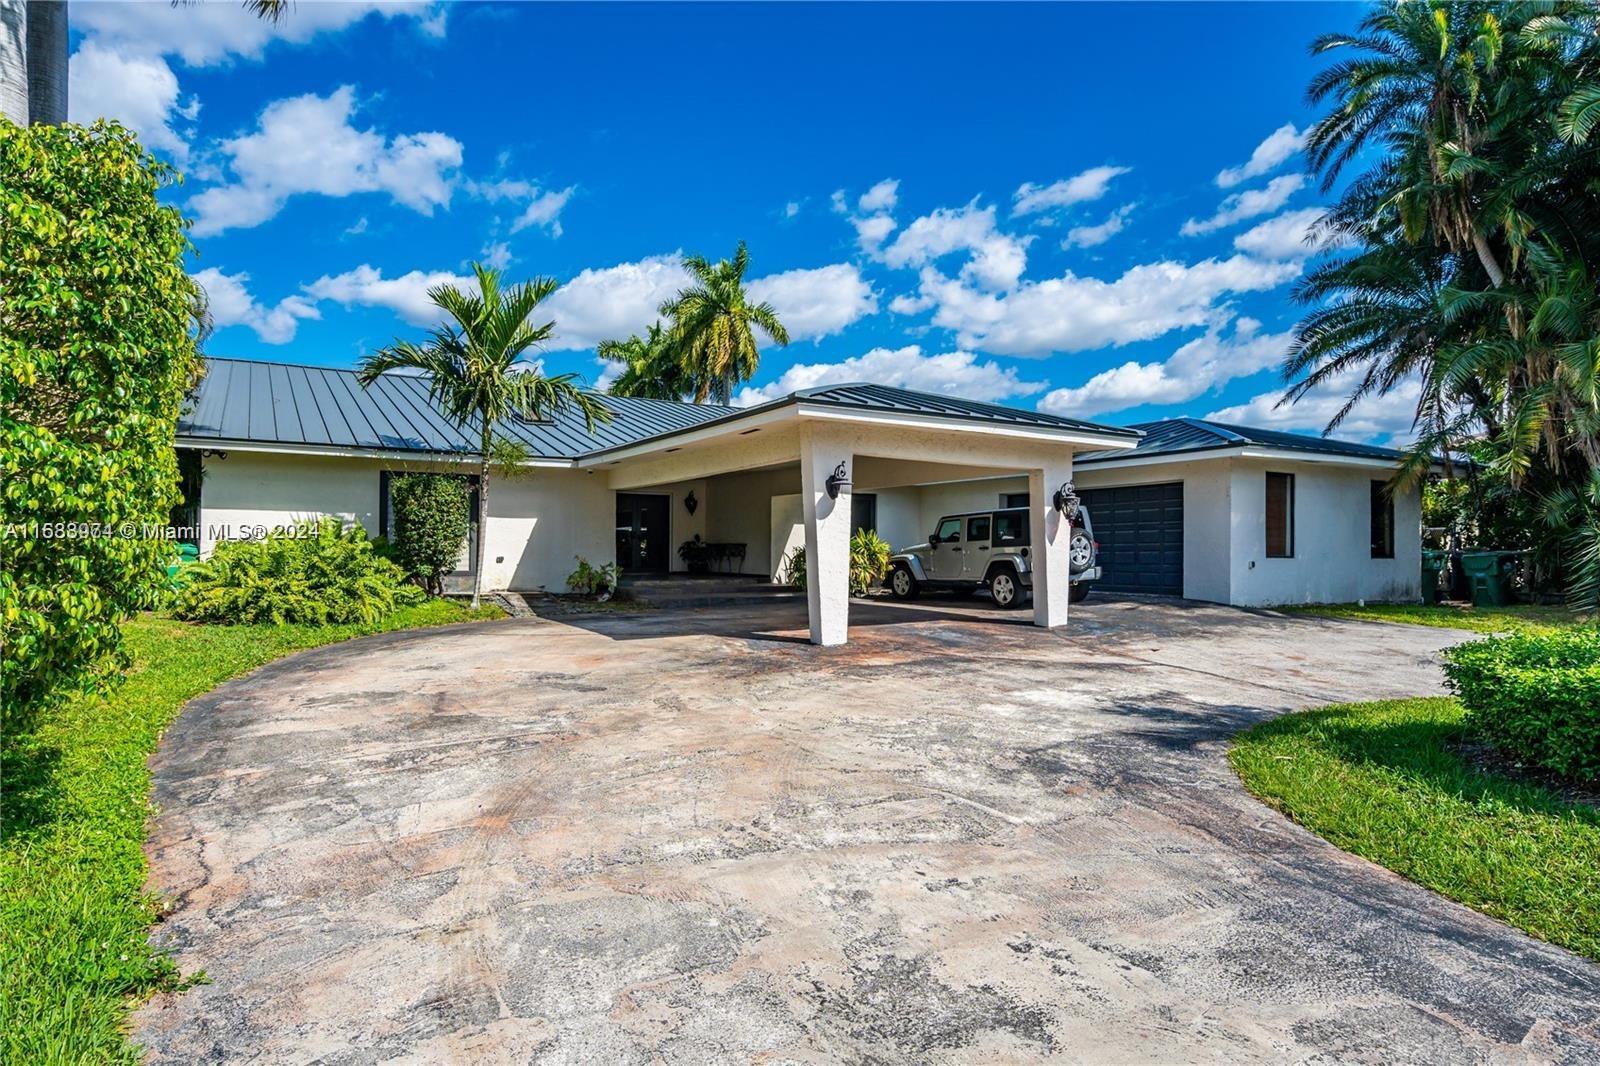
(642, 533)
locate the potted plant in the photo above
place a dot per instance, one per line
(696, 555)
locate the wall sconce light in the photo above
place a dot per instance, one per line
(691, 504)
(207, 453)
(839, 479)
(1066, 501)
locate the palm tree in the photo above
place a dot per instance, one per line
(651, 367)
(1427, 85)
(712, 324)
(477, 377)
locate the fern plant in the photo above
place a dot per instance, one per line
(316, 574)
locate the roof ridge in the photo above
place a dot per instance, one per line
(1217, 429)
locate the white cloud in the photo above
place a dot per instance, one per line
(1197, 367)
(1291, 235)
(880, 198)
(1073, 313)
(230, 303)
(208, 34)
(816, 303)
(496, 254)
(139, 90)
(121, 68)
(406, 295)
(306, 144)
(1091, 236)
(1247, 204)
(612, 302)
(1388, 417)
(1080, 188)
(791, 209)
(996, 260)
(952, 374)
(1269, 155)
(543, 206)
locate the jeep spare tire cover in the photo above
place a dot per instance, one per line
(1080, 551)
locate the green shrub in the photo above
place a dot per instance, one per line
(318, 574)
(1535, 697)
(430, 525)
(597, 581)
(97, 351)
(869, 561)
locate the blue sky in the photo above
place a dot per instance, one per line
(1096, 211)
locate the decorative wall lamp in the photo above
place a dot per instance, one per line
(1066, 501)
(691, 504)
(839, 479)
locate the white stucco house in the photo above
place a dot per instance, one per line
(1210, 512)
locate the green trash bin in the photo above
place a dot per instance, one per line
(1433, 564)
(1489, 574)
(187, 553)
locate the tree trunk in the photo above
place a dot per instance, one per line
(483, 522)
(1491, 266)
(47, 62)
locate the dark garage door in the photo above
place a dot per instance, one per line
(1140, 530)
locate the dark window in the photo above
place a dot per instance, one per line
(1382, 521)
(863, 511)
(1280, 516)
(1011, 527)
(386, 513)
(950, 530)
(978, 528)
(1013, 499)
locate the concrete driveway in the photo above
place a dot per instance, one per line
(695, 837)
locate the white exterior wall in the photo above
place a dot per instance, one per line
(537, 523)
(741, 512)
(1332, 538)
(1207, 524)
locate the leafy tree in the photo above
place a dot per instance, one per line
(651, 367)
(97, 351)
(714, 323)
(473, 363)
(431, 520)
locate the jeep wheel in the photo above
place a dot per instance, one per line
(1080, 551)
(902, 583)
(1077, 592)
(1004, 588)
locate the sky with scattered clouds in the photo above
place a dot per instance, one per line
(980, 201)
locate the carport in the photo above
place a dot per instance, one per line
(846, 439)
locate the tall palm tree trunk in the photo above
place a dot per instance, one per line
(481, 537)
(1491, 265)
(33, 61)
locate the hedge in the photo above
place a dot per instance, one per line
(1534, 697)
(430, 525)
(98, 320)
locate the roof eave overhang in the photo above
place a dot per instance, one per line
(795, 410)
(1241, 451)
(340, 451)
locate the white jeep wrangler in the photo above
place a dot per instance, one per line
(990, 549)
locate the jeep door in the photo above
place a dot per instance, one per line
(976, 566)
(945, 560)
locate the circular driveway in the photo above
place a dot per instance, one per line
(693, 837)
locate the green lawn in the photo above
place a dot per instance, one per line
(1384, 780)
(1520, 618)
(73, 914)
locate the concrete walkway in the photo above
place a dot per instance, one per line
(694, 837)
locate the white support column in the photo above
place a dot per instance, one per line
(827, 524)
(1052, 537)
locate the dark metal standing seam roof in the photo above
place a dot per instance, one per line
(244, 400)
(1178, 437)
